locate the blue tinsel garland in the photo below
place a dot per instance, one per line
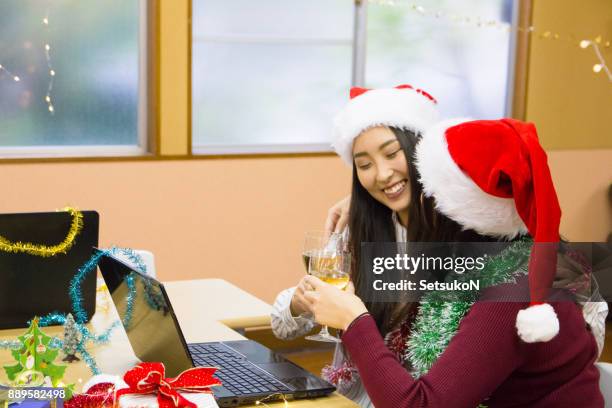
(80, 314)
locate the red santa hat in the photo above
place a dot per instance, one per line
(403, 107)
(492, 176)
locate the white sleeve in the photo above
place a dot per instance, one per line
(595, 315)
(284, 325)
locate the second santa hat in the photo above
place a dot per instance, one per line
(402, 107)
(492, 176)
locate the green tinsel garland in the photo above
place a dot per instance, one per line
(440, 313)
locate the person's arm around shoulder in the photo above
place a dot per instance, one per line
(338, 216)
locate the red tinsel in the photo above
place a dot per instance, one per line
(98, 396)
(343, 375)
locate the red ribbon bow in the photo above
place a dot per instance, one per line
(148, 378)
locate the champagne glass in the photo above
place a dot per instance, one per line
(326, 259)
(317, 241)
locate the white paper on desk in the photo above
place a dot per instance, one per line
(150, 401)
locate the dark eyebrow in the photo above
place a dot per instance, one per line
(382, 146)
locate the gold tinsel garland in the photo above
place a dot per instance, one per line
(47, 250)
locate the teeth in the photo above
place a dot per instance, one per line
(395, 188)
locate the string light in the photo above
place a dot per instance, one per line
(10, 74)
(439, 14)
(601, 66)
(48, 98)
(261, 402)
(479, 22)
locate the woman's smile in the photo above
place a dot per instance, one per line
(395, 190)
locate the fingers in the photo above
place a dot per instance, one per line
(299, 304)
(350, 288)
(337, 216)
(331, 222)
(314, 282)
(344, 207)
(342, 222)
(303, 286)
(311, 297)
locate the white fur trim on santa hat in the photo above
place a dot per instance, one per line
(456, 195)
(402, 108)
(537, 323)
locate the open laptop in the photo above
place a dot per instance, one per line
(249, 371)
(32, 285)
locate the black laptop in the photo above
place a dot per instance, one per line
(31, 285)
(249, 371)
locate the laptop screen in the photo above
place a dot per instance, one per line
(152, 329)
(32, 285)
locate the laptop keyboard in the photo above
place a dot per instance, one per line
(236, 373)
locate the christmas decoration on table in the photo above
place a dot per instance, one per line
(103, 299)
(154, 300)
(98, 392)
(9, 344)
(149, 378)
(80, 315)
(47, 250)
(145, 386)
(35, 361)
(72, 338)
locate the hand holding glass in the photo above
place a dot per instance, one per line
(325, 258)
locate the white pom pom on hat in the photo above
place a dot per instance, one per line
(403, 107)
(537, 323)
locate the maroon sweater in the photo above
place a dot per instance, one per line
(485, 362)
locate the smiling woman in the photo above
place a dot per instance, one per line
(398, 353)
(376, 134)
(382, 170)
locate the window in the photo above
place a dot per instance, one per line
(80, 77)
(268, 75)
(464, 65)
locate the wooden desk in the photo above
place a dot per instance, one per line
(207, 310)
(218, 300)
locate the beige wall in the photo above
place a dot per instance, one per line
(582, 178)
(570, 105)
(242, 220)
(569, 102)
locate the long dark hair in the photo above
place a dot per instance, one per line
(370, 221)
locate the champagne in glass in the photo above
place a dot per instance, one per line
(325, 258)
(329, 269)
